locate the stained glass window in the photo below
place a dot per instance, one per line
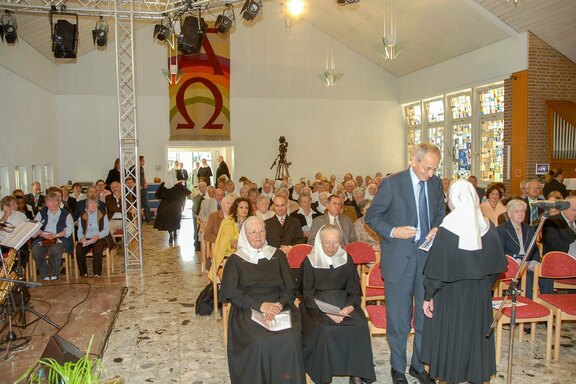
(461, 106)
(414, 138)
(491, 101)
(462, 156)
(436, 137)
(435, 111)
(414, 114)
(492, 150)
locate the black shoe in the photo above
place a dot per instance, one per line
(170, 239)
(398, 377)
(423, 377)
(356, 380)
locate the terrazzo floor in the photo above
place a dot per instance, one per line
(159, 339)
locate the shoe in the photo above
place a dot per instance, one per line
(170, 239)
(46, 278)
(175, 235)
(85, 275)
(96, 275)
(398, 377)
(356, 380)
(53, 277)
(423, 377)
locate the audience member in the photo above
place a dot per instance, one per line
(334, 216)
(102, 191)
(211, 205)
(553, 180)
(93, 230)
(231, 189)
(222, 168)
(493, 207)
(559, 231)
(23, 207)
(205, 171)
(262, 208)
(77, 192)
(113, 174)
(283, 231)
(305, 214)
(215, 220)
(68, 201)
(91, 192)
(371, 191)
(114, 207)
(54, 237)
(480, 191)
(362, 231)
(144, 198)
(533, 191)
(334, 344)
(35, 199)
(172, 195)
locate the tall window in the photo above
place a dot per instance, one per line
(435, 124)
(414, 118)
(21, 177)
(491, 102)
(461, 127)
(4, 181)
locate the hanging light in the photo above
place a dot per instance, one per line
(295, 7)
(226, 19)
(390, 38)
(8, 27)
(330, 76)
(64, 35)
(163, 30)
(100, 33)
(192, 36)
(250, 9)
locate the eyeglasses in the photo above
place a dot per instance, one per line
(427, 169)
(253, 233)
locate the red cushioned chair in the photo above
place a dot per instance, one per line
(527, 311)
(504, 281)
(297, 254)
(361, 253)
(557, 265)
(372, 285)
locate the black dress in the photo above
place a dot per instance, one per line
(205, 172)
(256, 355)
(332, 349)
(169, 211)
(454, 342)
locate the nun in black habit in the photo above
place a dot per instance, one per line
(463, 264)
(257, 278)
(334, 344)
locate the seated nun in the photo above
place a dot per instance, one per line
(264, 332)
(336, 342)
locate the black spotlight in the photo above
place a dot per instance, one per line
(8, 28)
(64, 37)
(192, 35)
(163, 30)
(100, 33)
(250, 9)
(344, 2)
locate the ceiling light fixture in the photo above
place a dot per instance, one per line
(163, 30)
(330, 76)
(8, 27)
(192, 35)
(64, 34)
(226, 19)
(346, 2)
(295, 7)
(390, 39)
(250, 9)
(100, 33)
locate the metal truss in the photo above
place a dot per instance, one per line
(139, 9)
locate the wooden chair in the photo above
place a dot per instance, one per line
(557, 265)
(372, 285)
(506, 277)
(361, 253)
(527, 311)
(66, 257)
(107, 256)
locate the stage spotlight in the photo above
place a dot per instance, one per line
(100, 33)
(64, 37)
(8, 28)
(225, 20)
(163, 30)
(344, 2)
(192, 35)
(250, 9)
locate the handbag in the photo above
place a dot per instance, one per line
(47, 243)
(205, 301)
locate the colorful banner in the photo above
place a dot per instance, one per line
(200, 99)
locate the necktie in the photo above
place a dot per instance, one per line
(218, 207)
(336, 223)
(281, 220)
(423, 212)
(573, 225)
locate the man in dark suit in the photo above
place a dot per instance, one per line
(333, 215)
(283, 231)
(91, 192)
(533, 190)
(407, 210)
(222, 168)
(559, 231)
(36, 199)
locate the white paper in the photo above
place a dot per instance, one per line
(281, 321)
(572, 249)
(329, 309)
(427, 244)
(21, 233)
(496, 304)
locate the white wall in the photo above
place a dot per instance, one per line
(27, 109)
(493, 63)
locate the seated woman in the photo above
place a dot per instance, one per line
(515, 236)
(334, 344)
(305, 214)
(262, 208)
(227, 239)
(93, 230)
(493, 207)
(257, 279)
(363, 231)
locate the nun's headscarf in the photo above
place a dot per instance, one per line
(171, 179)
(319, 259)
(466, 220)
(246, 251)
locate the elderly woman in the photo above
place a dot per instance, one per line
(362, 230)
(515, 236)
(262, 208)
(258, 282)
(305, 214)
(493, 207)
(227, 239)
(334, 343)
(93, 229)
(54, 237)
(172, 195)
(215, 219)
(463, 263)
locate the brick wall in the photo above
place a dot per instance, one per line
(551, 76)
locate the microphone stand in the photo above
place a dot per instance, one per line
(512, 294)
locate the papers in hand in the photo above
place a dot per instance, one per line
(281, 321)
(497, 303)
(20, 234)
(427, 244)
(87, 243)
(329, 309)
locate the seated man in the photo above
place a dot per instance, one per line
(320, 205)
(93, 228)
(91, 192)
(35, 199)
(67, 199)
(334, 216)
(283, 231)
(210, 205)
(291, 205)
(77, 192)
(114, 207)
(559, 231)
(53, 238)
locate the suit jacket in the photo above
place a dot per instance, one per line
(395, 206)
(556, 234)
(213, 226)
(29, 199)
(81, 208)
(206, 208)
(554, 185)
(510, 243)
(288, 234)
(528, 209)
(70, 203)
(348, 235)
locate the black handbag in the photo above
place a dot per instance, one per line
(205, 301)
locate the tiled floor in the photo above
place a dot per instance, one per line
(159, 339)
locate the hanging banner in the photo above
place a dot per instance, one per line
(200, 99)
